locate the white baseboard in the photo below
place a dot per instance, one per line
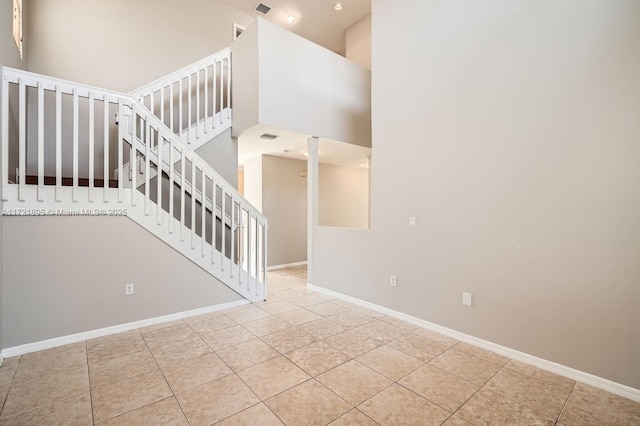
(86, 335)
(581, 376)
(288, 265)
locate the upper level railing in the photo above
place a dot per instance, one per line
(62, 136)
(195, 101)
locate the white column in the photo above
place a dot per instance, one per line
(312, 198)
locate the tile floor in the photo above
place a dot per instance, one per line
(301, 358)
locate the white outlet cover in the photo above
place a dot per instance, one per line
(412, 222)
(393, 281)
(466, 299)
(128, 289)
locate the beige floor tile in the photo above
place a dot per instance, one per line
(227, 337)
(272, 377)
(317, 358)
(440, 387)
(397, 405)
(68, 357)
(307, 300)
(247, 354)
(465, 366)
(259, 414)
(345, 304)
(380, 331)
(217, 400)
(127, 395)
(436, 337)
(529, 392)
(166, 412)
(353, 318)
(591, 406)
(323, 328)
(265, 326)
(544, 376)
(309, 403)
(209, 322)
(354, 382)
(115, 346)
(124, 367)
(403, 325)
(155, 337)
(390, 362)
(456, 421)
(298, 316)
(353, 418)
(289, 339)
(181, 349)
(293, 293)
(249, 314)
(484, 354)
(7, 372)
(195, 372)
(488, 408)
(278, 307)
(326, 309)
(160, 326)
(419, 347)
(352, 343)
(31, 389)
(72, 411)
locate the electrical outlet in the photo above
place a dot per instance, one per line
(128, 289)
(412, 222)
(466, 299)
(393, 281)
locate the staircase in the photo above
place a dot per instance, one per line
(71, 149)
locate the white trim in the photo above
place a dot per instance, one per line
(86, 335)
(288, 265)
(581, 376)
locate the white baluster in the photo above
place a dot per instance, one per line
(147, 165)
(105, 155)
(58, 143)
(183, 182)
(171, 181)
(40, 141)
(91, 145)
(203, 208)
(22, 139)
(133, 157)
(193, 203)
(159, 177)
(76, 136)
(5, 136)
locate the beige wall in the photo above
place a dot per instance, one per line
(358, 42)
(221, 153)
(66, 275)
(284, 203)
(512, 134)
(343, 196)
(121, 44)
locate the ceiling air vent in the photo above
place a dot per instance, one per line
(262, 8)
(268, 136)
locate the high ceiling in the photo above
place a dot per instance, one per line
(316, 20)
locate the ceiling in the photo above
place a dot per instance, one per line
(317, 20)
(291, 144)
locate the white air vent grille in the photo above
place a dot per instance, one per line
(262, 8)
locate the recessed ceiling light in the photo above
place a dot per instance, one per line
(338, 6)
(291, 19)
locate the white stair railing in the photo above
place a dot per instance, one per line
(64, 144)
(195, 101)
